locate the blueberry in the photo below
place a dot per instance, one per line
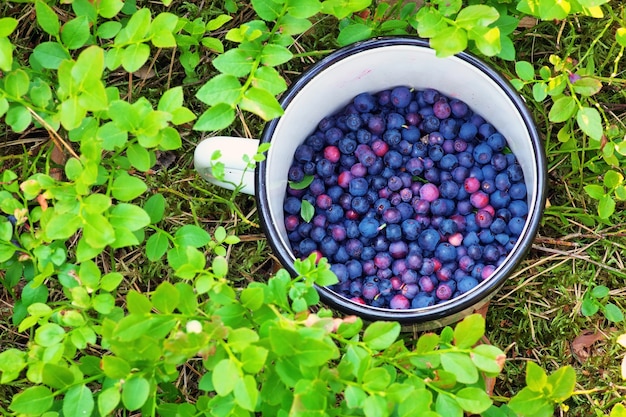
(445, 252)
(496, 141)
(482, 153)
(441, 108)
(466, 284)
(515, 172)
(428, 239)
(334, 213)
(393, 159)
(467, 131)
(369, 227)
(364, 102)
(449, 189)
(392, 136)
(518, 208)
(430, 123)
(296, 173)
(422, 300)
(518, 191)
(444, 291)
(376, 125)
(325, 168)
(399, 302)
(400, 96)
(411, 134)
(459, 108)
(449, 128)
(292, 205)
(304, 153)
(358, 187)
(395, 120)
(485, 130)
(393, 232)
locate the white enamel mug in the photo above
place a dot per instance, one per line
(372, 66)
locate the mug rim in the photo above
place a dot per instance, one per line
(437, 312)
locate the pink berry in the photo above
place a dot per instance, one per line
(429, 192)
(456, 239)
(332, 153)
(479, 199)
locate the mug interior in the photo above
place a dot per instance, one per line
(333, 83)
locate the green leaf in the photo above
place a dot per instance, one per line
(62, 226)
(17, 83)
(217, 117)
(108, 30)
(192, 235)
(33, 401)
(97, 230)
(262, 103)
(218, 22)
(613, 313)
(219, 265)
(236, 62)
(155, 207)
(135, 56)
(108, 399)
(267, 10)
(273, 55)
(562, 109)
(562, 383)
(589, 307)
(594, 191)
(135, 392)
(353, 33)
(590, 122)
(375, 406)
(18, 117)
(72, 113)
(469, 331)
(476, 15)
(165, 298)
(75, 33)
(474, 400)
(129, 216)
(47, 18)
(531, 403)
(376, 379)
(380, 335)
(225, 376)
(307, 211)
(12, 362)
(536, 378)
(140, 157)
(269, 79)
(78, 402)
(156, 246)
(57, 376)
(162, 28)
(109, 8)
(222, 88)
(587, 86)
(600, 291)
(136, 29)
(6, 56)
(461, 366)
(488, 358)
(49, 55)
(303, 9)
(487, 40)
(126, 187)
(449, 41)
(612, 179)
(446, 405)
(171, 100)
(620, 36)
(525, 70)
(540, 91)
(7, 26)
(246, 392)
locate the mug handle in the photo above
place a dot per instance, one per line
(232, 149)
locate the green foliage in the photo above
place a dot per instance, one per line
(543, 391)
(596, 299)
(98, 347)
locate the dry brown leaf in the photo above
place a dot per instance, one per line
(582, 345)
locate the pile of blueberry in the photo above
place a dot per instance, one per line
(417, 199)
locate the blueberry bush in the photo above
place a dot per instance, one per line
(95, 339)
